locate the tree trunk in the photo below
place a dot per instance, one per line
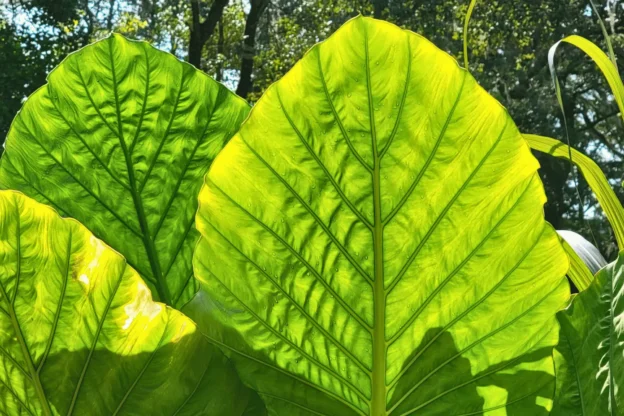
(220, 50)
(200, 32)
(245, 83)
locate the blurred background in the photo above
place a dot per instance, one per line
(249, 44)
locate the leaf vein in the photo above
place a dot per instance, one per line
(284, 339)
(322, 166)
(468, 348)
(471, 308)
(140, 124)
(403, 99)
(288, 374)
(417, 313)
(356, 360)
(95, 341)
(164, 138)
(431, 155)
(325, 228)
(331, 105)
(347, 308)
(442, 214)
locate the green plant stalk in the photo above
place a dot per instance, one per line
(605, 33)
(378, 402)
(471, 7)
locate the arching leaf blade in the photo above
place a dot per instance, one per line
(119, 139)
(596, 180)
(604, 63)
(378, 183)
(80, 333)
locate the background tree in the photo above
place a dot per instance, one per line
(249, 44)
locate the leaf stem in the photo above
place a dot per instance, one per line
(161, 287)
(378, 402)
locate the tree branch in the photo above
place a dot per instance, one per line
(200, 32)
(245, 83)
(220, 51)
(591, 124)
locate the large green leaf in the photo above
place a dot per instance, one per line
(119, 139)
(80, 334)
(374, 242)
(590, 355)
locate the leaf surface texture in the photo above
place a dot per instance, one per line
(374, 242)
(119, 139)
(590, 354)
(81, 335)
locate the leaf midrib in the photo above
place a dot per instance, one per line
(150, 248)
(379, 399)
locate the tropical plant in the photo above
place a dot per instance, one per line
(82, 336)
(119, 138)
(589, 358)
(372, 242)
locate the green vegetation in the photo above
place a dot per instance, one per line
(369, 239)
(509, 44)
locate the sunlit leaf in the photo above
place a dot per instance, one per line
(119, 139)
(606, 66)
(593, 175)
(374, 241)
(80, 334)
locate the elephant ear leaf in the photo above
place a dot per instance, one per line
(373, 240)
(590, 354)
(80, 334)
(120, 139)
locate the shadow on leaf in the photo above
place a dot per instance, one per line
(438, 380)
(160, 383)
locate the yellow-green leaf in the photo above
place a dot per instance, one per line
(593, 175)
(606, 66)
(119, 139)
(373, 240)
(80, 334)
